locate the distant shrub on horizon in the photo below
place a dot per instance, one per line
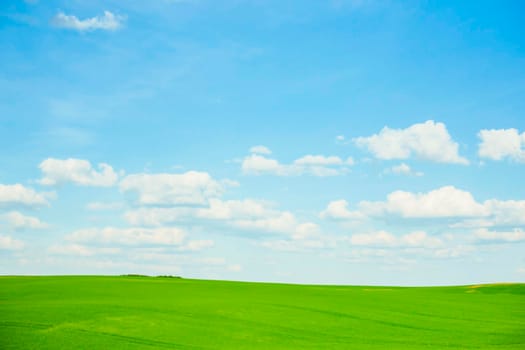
(139, 275)
(134, 275)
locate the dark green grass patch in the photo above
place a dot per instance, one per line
(135, 312)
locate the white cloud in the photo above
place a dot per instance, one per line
(443, 202)
(338, 210)
(77, 171)
(20, 221)
(129, 236)
(217, 210)
(257, 165)
(403, 169)
(506, 213)
(102, 206)
(315, 165)
(235, 209)
(418, 239)
(428, 141)
(244, 215)
(192, 187)
(9, 243)
(499, 236)
(18, 195)
(446, 202)
(499, 213)
(497, 144)
(260, 150)
(108, 21)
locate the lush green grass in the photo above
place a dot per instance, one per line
(148, 313)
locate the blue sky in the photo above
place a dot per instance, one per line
(355, 142)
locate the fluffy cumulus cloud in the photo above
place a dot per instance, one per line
(338, 210)
(429, 141)
(192, 187)
(443, 202)
(490, 221)
(497, 213)
(498, 144)
(77, 171)
(129, 236)
(19, 221)
(107, 21)
(258, 163)
(18, 195)
(417, 239)
(9, 243)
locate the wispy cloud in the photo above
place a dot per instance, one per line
(258, 163)
(107, 21)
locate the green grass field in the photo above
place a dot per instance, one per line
(149, 313)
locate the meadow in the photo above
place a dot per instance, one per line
(125, 312)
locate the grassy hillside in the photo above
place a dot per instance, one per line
(147, 313)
